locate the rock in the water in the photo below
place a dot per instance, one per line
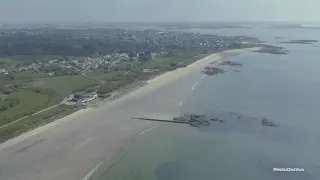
(236, 70)
(230, 63)
(266, 122)
(211, 71)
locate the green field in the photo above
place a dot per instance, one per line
(4, 80)
(65, 85)
(28, 74)
(29, 101)
(52, 90)
(181, 60)
(27, 58)
(34, 121)
(104, 76)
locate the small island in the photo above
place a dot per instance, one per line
(301, 41)
(272, 50)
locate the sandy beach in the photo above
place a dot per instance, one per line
(71, 147)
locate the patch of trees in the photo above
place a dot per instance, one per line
(144, 56)
(8, 89)
(8, 103)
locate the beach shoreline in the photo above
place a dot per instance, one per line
(152, 84)
(95, 135)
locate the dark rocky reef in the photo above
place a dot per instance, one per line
(193, 120)
(211, 71)
(200, 120)
(266, 122)
(230, 63)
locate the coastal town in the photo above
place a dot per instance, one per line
(153, 43)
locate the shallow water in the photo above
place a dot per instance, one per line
(282, 88)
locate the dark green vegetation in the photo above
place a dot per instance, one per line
(70, 42)
(22, 96)
(29, 102)
(8, 103)
(34, 121)
(88, 42)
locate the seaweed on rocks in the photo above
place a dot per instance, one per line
(230, 63)
(211, 71)
(217, 120)
(266, 122)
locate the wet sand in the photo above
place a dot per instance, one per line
(72, 147)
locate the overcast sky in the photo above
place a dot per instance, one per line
(158, 10)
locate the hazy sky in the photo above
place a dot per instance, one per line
(158, 10)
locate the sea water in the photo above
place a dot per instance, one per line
(281, 88)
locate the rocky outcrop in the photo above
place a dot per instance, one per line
(230, 63)
(211, 71)
(266, 122)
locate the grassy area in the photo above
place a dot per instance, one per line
(104, 75)
(28, 74)
(29, 102)
(160, 62)
(34, 121)
(25, 58)
(65, 85)
(14, 60)
(47, 92)
(4, 80)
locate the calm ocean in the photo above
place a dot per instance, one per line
(282, 88)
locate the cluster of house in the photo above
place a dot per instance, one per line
(154, 39)
(105, 62)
